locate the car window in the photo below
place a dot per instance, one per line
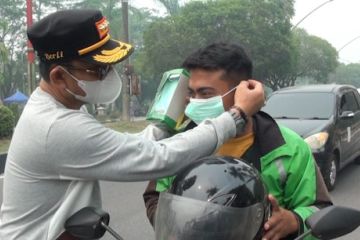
(348, 103)
(313, 105)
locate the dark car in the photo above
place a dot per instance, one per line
(327, 117)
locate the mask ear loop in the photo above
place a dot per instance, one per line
(74, 78)
(71, 75)
(229, 91)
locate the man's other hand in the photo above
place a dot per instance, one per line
(281, 223)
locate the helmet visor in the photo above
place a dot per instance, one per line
(180, 218)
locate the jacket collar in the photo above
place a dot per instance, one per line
(268, 136)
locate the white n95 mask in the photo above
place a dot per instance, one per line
(102, 91)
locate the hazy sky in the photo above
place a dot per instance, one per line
(338, 21)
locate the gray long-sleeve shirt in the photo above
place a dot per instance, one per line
(57, 155)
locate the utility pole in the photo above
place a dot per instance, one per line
(30, 50)
(126, 80)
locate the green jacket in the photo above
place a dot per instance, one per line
(286, 165)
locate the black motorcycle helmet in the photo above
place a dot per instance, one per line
(220, 198)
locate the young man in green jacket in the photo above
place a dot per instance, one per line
(284, 160)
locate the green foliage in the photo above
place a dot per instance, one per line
(313, 60)
(7, 121)
(280, 56)
(172, 6)
(3, 60)
(16, 110)
(44, 7)
(348, 74)
(13, 71)
(13, 39)
(3, 53)
(318, 58)
(262, 27)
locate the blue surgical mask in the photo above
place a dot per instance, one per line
(200, 109)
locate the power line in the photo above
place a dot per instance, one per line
(311, 12)
(348, 43)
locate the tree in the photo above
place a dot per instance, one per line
(3, 53)
(347, 74)
(313, 59)
(172, 6)
(262, 27)
(271, 42)
(3, 58)
(13, 38)
(317, 57)
(44, 7)
(7, 122)
(13, 32)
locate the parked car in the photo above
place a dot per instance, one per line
(327, 117)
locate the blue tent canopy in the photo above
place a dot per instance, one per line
(17, 97)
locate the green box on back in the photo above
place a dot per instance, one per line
(170, 100)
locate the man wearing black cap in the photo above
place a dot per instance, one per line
(59, 152)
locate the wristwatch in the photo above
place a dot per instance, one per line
(239, 117)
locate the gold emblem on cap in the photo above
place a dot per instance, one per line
(102, 27)
(113, 55)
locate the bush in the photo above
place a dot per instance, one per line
(16, 110)
(7, 122)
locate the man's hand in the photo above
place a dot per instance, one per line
(281, 223)
(249, 96)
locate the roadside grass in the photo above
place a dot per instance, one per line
(120, 126)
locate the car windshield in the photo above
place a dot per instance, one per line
(300, 105)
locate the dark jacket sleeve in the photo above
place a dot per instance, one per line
(323, 198)
(151, 197)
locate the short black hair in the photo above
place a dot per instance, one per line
(44, 69)
(229, 57)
